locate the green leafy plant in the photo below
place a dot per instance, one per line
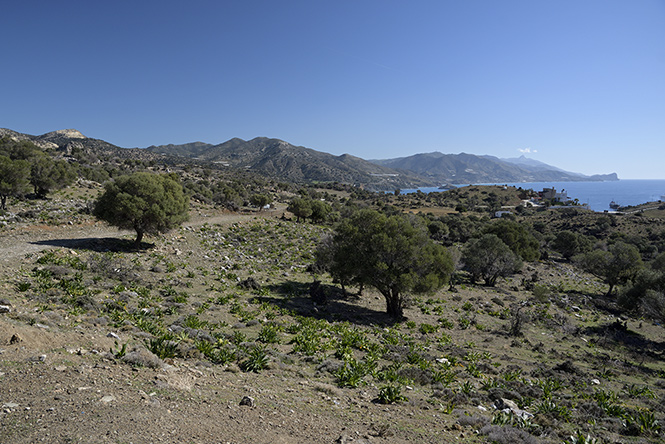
(512, 375)
(120, 350)
(446, 323)
(269, 334)
(23, 286)
(163, 347)
(308, 342)
(645, 421)
(473, 370)
(256, 361)
(238, 337)
(351, 337)
(467, 388)
(205, 347)
(503, 418)
(609, 402)
(353, 372)
(548, 407)
(192, 321)
(427, 328)
(391, 394)
(549, 386)
(447, 408)
(579, 438)
(634, 391)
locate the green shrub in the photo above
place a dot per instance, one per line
(256, 361)
(269, 334)
(427, 328)
(353, 372)
(391, 394)
(645, 421)
(23, 286)
(163, 347)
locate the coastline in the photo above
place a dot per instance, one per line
(596, 194)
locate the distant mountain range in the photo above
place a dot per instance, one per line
(468, 168)
(281, 160)
(284, 161)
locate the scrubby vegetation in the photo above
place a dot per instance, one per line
(548, 328)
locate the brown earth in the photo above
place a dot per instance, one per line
(60, 381)
(58, 384)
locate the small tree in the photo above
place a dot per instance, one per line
(301, 208)
(13, 179)
(489, 258)
(260, 200)
(320, 211)
(146, 202)
(517, 238)
(617, 266)
(392, 254)
(47, 174)
(438, 230)
(569, 243)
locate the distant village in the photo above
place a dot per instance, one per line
(547, 197)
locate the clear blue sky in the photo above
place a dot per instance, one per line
(578, 83)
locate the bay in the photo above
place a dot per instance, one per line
(597, 195)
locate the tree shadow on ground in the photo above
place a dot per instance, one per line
(338, 306)
(99, 245)
(617, 333)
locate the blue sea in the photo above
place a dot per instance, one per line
(597, 195)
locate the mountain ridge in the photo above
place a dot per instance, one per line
(466, 168)
(277, 157)
(280, 159)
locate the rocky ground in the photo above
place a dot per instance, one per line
(81, 314)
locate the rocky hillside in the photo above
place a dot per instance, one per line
(210, 334)
(71, 142)
(283, 161)
(280, 159)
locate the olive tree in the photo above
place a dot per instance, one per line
(47, 174)
(569, 243)
(517, 237)
(393, 254)
(617, 266)
(320, 211)
(145, 202)
(489, 258)
(301, 208)
(44, 173)
(260, 200)
(13, 179)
